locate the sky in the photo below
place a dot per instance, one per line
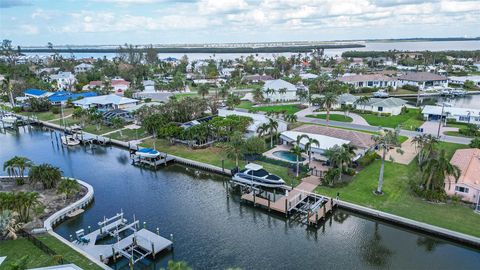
(92, 22)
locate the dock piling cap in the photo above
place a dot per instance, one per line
(253, 166)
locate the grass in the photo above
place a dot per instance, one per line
(16, 249)
(408, 120)
(103, 129)
(69, 121)
(129, 134)
(47, 116)
(333, 117)
(245, 105)
(289, 109)
(399, 199)
(213, 156)
(181, 96)
(456, 133)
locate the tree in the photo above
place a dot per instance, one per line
(15, 167)
(257, 94)
(234, 148)
(46, 174)
(95, 117)
(436, 170)
(424, 145)
(384, 140)
(232, 101)
(151, 55)
(363, 100)
(297, 151)
(309, 145)
(272, 129)
(292, 118)
(7, 89)
(68, 187)
(181, 265)
(327, 102)
(118, 123)
(254, 145)
(475, 143)
(203, 89)
(82, 114)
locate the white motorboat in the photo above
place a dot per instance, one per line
(9, 119)
(147, 153)
(255, 175)
(69, 140)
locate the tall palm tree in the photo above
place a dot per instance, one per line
(282, 91)
(258, 94)
(297, 151)
(46, 174)
(235, 147)
(309, 145)
(424, 145)
(8, 90)
(223, 92)
(437, 169)
(68, 187)
(272, 129)
(16, 167)
(203, 90)
(384, 140)
(327, 102)
(262, 129)
(292, 118)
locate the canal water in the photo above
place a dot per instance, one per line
(468, 101)
(213, 232)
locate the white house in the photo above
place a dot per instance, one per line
(279, 90)
(106, 102)
(391, 105)
(63, 80)
(258, 120)
(462, 79)
(83, 67)
(370, 80)
(463, 115)
(148, 86)
(423, 80)
(326, 142)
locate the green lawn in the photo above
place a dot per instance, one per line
(181, 96)
(245, 105)
(69, 121)
(407, 120)
(456, 133)
(289, 109)
(129, 134)
(93, 129)
(399, 200)
(47, 116)
(16, 249)
(333, 117)
(213, 156)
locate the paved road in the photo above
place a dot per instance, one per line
(408, 133)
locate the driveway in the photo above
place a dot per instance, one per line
(409, 153)
(431, 127)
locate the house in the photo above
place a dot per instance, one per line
(463, 115)
(356, 63)
(256, 78)
(63, 80)
(370, 80)
(363, 141)
(83, 67)
(460, 80)
(346, 99)
(118, 85)
(258, 120)
(392, 106)
(308, 76)
(326, 142)
(106, 102)
(423, 80)
(468, 184)
(148, 86)
(279, 90)
(36, 93)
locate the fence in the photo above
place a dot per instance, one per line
(39, 244)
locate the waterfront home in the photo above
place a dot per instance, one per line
(118, 85)
(83, 67)
(345, 99)
(63, 80)
(370, 80)
(391, 105)
(423, 80)
(106, 102)
(289, 137)
(279, 90)
(256, 78)
(258, 120)
(36, 93)
(468, 184)
(356, 63)
(460, 80)
(58, 97)
(362, 141)
(463, 115)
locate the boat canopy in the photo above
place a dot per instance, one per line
(253, 166)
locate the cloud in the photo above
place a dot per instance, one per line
(29, 29)
(14, 3)
(216, 6)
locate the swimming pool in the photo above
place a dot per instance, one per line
(287, 156)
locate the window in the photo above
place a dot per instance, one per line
(370, 83)
(461, 189)
(463, 118)
(380, 109)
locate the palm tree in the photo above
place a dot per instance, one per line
(46, 174)
(363, 101)
(262, 129)
(309, 145)
(16, 167)
(118, 123)
(384, 140)
(68, 187)
(437, 169)
(223, 92)
(282, 91)
(235, 147)
(270, 91)
(8, 90)
(272, 128)
(257, 94)
(203, 90)
(297, 151)
(95, 117)
(327, 102)
(424, 145)
(292, 118)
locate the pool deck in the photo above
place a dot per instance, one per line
(282, 147)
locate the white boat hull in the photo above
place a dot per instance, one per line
(69, 140)
(257, 183)
(9, 119)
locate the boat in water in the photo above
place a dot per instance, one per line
(256, 175)
(147, 153)
(69, 140)
(9, 119)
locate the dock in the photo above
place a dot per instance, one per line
(310, 208)
(139, 244)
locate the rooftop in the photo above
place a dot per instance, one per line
(105, 100)
(64, 96)
(386, 102)
(468, 161)
(358, 139)
(422, 77)
(279, 84)
(366, 77)
(326, 142)
(437, 110)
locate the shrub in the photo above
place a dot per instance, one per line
(410, 87)
(475, 143)
(17, 109)
(350, 171)
(55, 110)
(368, 158)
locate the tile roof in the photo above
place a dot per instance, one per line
(468, 161)
(358, 139)
(366, 77)
(385, 102)
(422, 77)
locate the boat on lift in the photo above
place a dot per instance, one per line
(147, 153)
(9, 119)
(69, 140)
(256, 175)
